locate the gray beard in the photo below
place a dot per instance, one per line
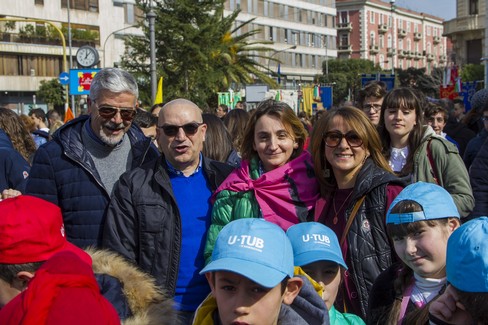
(111, 140)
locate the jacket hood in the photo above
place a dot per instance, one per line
(148, 303)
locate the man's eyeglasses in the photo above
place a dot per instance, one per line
(334, 138)
(108, 112)
(172, 130)
(368, 107)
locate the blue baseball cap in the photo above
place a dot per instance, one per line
(313, 242)
(467, 256)
(254, 248)
(435, 201)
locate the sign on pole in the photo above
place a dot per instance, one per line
(63, 78)
(80, 81)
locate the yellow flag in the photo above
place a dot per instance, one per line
(159, 93)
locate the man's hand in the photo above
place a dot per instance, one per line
(447, 308)
(8, 193)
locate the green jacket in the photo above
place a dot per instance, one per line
(229, 206)
(450, 169)
(337, 318)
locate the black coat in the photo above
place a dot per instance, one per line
(64, 173)
(143, 220)
(369, 247)
(14, 169)
(478, 175)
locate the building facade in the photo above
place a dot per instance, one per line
(390, 36)
(467, 31)
(32, 50)
(303, 33)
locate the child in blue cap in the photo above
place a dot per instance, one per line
(252, 281)
(465, 300)
(419, 222)
(316, 250)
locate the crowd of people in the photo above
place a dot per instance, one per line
(373, 213)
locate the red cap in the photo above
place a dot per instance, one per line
(32, 230)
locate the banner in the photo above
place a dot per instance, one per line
(159, 94)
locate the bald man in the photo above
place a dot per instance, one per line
(160, 212)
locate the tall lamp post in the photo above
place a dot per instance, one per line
(106, 39)
(392, 7)
(280, 51)
(151, 16)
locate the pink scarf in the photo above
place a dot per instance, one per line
(285, 194)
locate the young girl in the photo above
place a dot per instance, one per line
(419, 222)
(415, 152)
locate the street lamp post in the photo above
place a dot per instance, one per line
(151, 16)
(280, 51)
(106, 39)
(392, 6)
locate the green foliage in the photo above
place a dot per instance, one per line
(345, 76)
(51, 92)
(8, 26)
(198, 51)
(473, 72)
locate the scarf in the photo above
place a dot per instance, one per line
(285, 195)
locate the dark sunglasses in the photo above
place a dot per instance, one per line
(172, 130)
(108, 112)
(334, 138)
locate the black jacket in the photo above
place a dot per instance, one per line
(64, 173)
(143, 220)
(478, 175)
(369, 247)
(14, 169)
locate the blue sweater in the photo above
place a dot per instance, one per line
(193, 197)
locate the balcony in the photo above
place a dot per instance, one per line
(442, 59)
(401, 53)
(417, 55)
(382, 28)
(417, 36)
(391, 52)
(409, 54)
(437, 39)
(430, 57)
(402, 33)
(347, 26)
(345, 48)
(374, 49)
(463, 24)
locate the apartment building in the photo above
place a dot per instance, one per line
(303, 33)
(32, 50)
(467, 31)
(390, 36)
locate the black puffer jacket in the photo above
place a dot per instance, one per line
(64, 173)
(369, 248)
(143, 220)
(478, 175)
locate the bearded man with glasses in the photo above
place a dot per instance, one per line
(78, 168)
(160, 212)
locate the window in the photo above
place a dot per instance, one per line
(371, 16)
(39, 2)
(87, 5)
(428, 48)
(372, 38)
(408, 27)
(271, 33)
(429, 30)
(409, 45)
(473, 7)
(381, 41)
(400, 44)
(344, 40)
(390, 42)
(344, 18)
(26, 65)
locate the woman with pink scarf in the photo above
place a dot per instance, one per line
(276, 180)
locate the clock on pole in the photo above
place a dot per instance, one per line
(87, 56)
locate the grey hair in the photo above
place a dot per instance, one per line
(114, 80)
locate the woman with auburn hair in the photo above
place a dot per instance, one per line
(416, 153)
(275, 180)
(357, 187)
(236, 121)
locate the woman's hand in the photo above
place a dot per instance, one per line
(448, 309)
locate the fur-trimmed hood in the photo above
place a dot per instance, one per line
(148, 303)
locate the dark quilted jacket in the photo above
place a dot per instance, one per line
(478, 174)
(64, 173)
(368, 244)
(143, 220)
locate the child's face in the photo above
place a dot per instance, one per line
(425, 250)
(328, 275)
(242, 301)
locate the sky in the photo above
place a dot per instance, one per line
(441, 8)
